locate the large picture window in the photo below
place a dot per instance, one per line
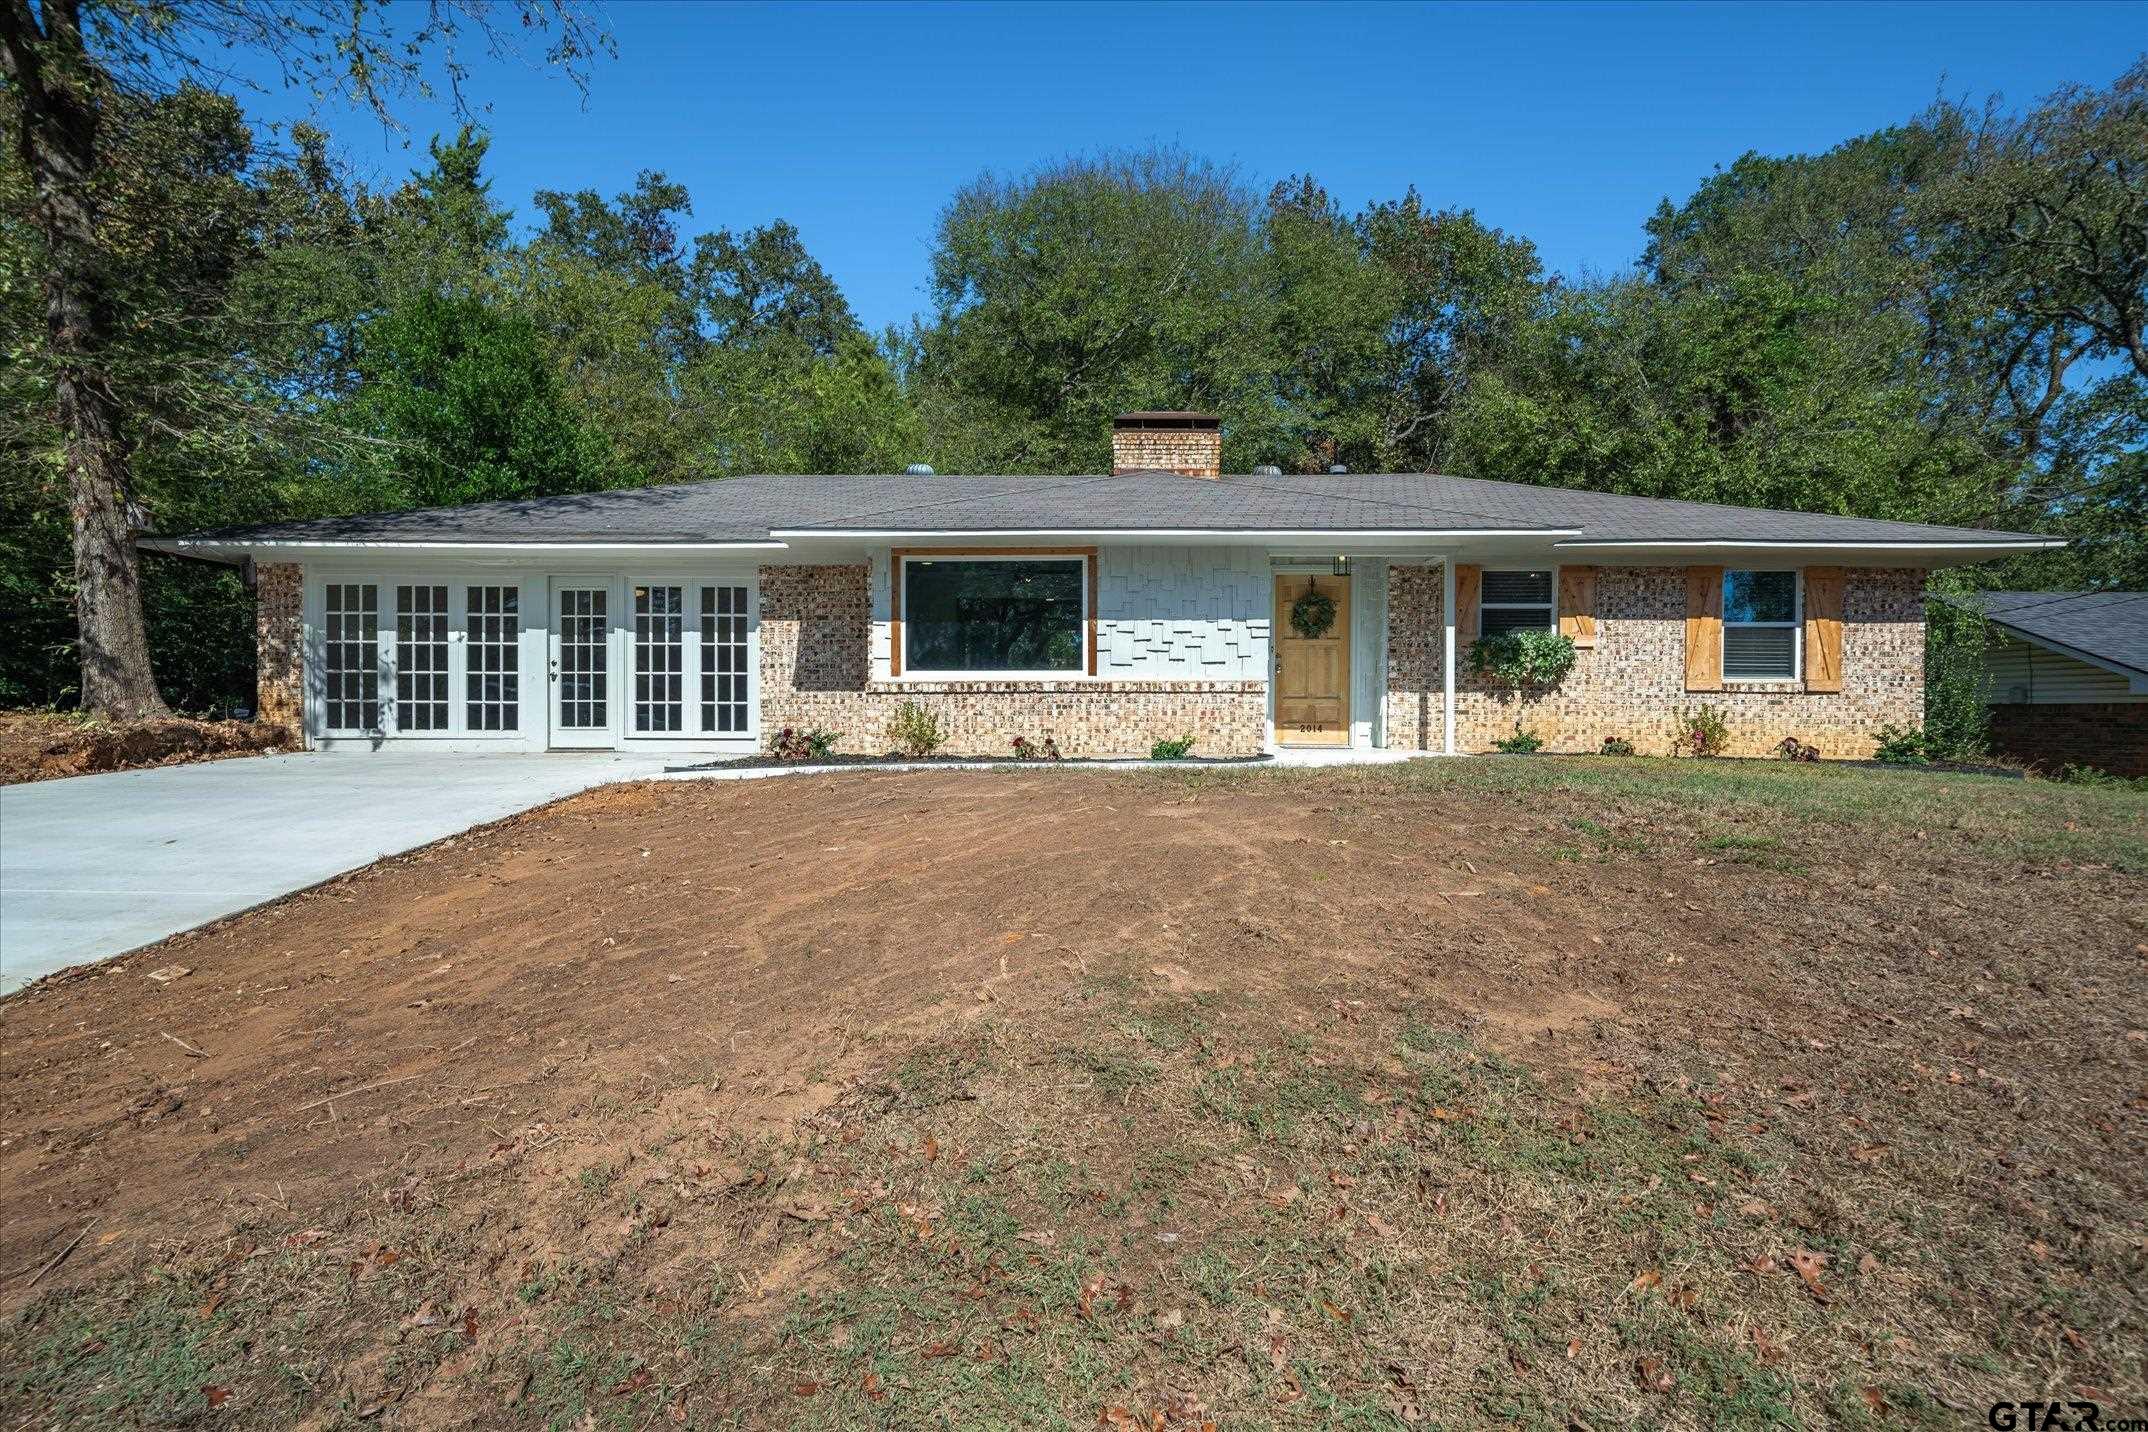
(994, 615)
(1515, 601)
(1760, 626)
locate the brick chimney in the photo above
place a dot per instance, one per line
(1189, 444)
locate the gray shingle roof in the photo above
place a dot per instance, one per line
(747, 509)
(2111, 626)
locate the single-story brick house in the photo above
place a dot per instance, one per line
(2067, 678)
(1106, 611)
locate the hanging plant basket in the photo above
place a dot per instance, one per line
(1312, 615)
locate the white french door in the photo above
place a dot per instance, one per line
(585, 696)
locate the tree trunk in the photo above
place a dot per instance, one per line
(56, 134)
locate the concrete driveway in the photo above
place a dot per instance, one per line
(94, 866)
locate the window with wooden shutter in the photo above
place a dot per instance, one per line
(1704, 628)
(1468, 587)
(1577, 605)
(1760, 626)
(1823, 629)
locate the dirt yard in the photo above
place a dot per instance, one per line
(44, 745)
(1560, 1093)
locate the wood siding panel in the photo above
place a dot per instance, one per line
(1704, 628)
(1468, 589)
(1577, 605)
(1823, 629)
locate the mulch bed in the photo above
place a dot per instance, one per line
(766, 761)
(46, 745)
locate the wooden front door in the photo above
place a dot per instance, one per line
(1312, 674)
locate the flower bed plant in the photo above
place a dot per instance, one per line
(792, 744)
(916, 732)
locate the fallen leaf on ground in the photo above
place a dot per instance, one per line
(1808, 1265)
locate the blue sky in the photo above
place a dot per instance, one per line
(1563, 123)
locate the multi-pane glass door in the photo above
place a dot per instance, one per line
(582, 697)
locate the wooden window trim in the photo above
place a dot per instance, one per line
(897, 555)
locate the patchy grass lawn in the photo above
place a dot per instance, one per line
(1552, 1092)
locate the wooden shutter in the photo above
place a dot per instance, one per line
(1577, 605)
(1704, 628)
(1468, 589)
(895, 611)
(1823, 628)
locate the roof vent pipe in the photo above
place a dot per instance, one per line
(1267, 469)
(1338, 470)
(918, 469)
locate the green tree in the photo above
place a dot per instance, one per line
(191, 217)
(69, 65)
(465, 406)
(1083, 289)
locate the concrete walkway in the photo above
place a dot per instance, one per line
(94, 866)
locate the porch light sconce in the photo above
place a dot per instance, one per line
(1342, 566)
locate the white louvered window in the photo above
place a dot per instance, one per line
(1515, 601)
(1760, 626)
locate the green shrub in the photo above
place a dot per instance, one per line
(1028, 750)
(792, 744)
(1703, 731)
(915, 731)
(1521, 743)
(1616, 746)
(1902, 746)
(1176, 750)
(1523, 658)
(2077, 775)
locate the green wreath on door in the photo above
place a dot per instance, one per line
(1312, 615)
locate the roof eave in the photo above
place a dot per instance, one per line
(1246, 534)
(2135, 676)
(243, 547)
(1999, 544)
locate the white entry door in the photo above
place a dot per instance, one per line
(585, 679)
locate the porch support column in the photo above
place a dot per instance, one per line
(1446, 665)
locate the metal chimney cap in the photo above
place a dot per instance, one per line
(1337, 470)
(918, 469)
(1267, 469)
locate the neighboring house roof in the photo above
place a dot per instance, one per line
(762, 509)
(2109, 629)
